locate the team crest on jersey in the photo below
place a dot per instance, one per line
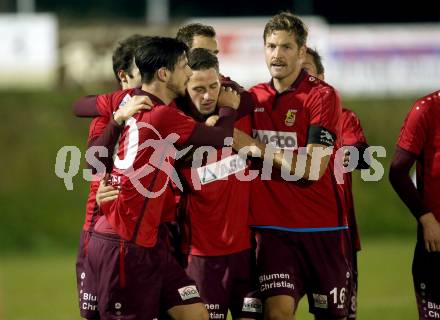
(290, 117)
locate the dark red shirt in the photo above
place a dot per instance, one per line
(145, 190)
(217, 212)
(420, 135)
(284, 120)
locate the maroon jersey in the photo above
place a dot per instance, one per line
(217, 212)
(308, 112)
(420, 135)
(106, 105)
(352, 134)
(142, 170)
(97, 126)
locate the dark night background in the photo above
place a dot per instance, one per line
(338, 12)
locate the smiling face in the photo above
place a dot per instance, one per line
(283, 56)
(203, 89)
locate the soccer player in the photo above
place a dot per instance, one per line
(137, 275)
(419, 142)
(194, 35)
(216, 205)
(197, 35)
(352, 135)
(302, 230)
(127, 75)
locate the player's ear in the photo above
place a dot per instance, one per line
(163, 74)
(122, 76)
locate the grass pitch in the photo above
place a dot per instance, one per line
(43, 287)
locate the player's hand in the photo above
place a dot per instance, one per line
(211, 121)
(346, 158)
(431, 232)
(228, 98)
(241, 140)
(134, 105)
(105, 192)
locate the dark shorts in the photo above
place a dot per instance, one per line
(226, 282)
(86, 281)
(314, 263)
(136, 282)
(352, 311)
(426, 277)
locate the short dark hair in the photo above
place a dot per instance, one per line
(202, 59)
(317, 60)
(123, 55)
(287, 21)
(154, 53)
(189, 31)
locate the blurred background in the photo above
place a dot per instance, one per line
(380, 55)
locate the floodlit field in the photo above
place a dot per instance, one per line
(43, 287)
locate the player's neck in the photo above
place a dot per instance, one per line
(283, 84)
(159, 90)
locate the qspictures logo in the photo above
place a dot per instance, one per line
(164, 153)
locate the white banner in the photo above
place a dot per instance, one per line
(29, 50)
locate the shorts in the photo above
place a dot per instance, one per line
(135, 282)
(86, 281)
(226, 282)
(352, 311)
(314, 263)
(426, 278)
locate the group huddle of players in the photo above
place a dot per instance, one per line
(185, 225)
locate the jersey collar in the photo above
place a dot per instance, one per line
(303, 73)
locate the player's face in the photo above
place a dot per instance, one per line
(179, 77)
(209, 43)
(204, 88)
(134, 77)
(283, 56)
(310, 67)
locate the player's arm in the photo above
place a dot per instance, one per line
(100, 105)
(412, 139)
(364, 155)
(86, 107)
(205, 135)
(108, 137)
(400, 179)
(314, 170)
(247, 102)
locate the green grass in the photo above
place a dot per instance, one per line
(43, 287)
